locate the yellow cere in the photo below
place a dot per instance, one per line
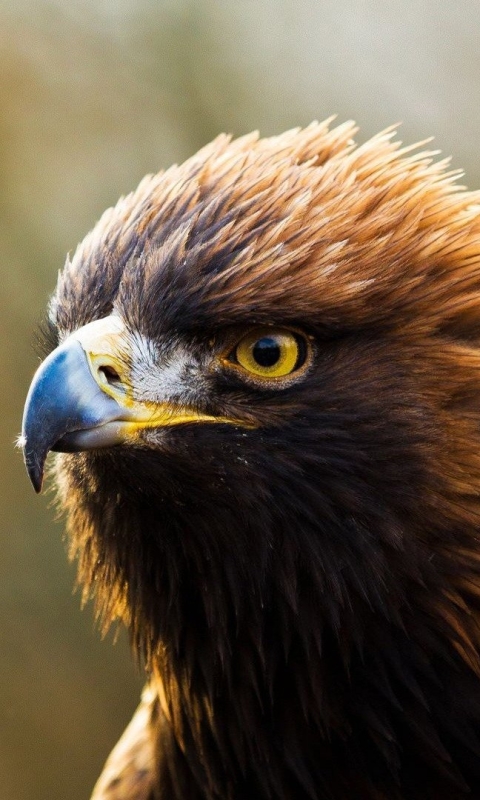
(108, 351)
(106, 346)
(268, 352)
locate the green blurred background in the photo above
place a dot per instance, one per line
(93, 95)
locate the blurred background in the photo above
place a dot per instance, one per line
(94, 94)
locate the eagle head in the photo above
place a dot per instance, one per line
(263, 388)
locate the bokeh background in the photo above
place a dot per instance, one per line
(94, 94)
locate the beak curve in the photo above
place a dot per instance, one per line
(66, 410)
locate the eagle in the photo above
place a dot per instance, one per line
(262, 385)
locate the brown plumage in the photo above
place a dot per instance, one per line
(298, 561)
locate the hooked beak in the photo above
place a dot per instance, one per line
(67, 408)
(81, 398)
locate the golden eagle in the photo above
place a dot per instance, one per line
(264, 384)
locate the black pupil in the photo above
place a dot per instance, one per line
(266, 351)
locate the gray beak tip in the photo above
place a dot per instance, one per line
(34, 463)
(35, 471)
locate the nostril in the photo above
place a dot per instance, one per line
(110, 374)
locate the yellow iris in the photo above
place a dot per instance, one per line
(268, 352)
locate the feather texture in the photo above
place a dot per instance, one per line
(305, 592)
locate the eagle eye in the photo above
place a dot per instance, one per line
(270, 353)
